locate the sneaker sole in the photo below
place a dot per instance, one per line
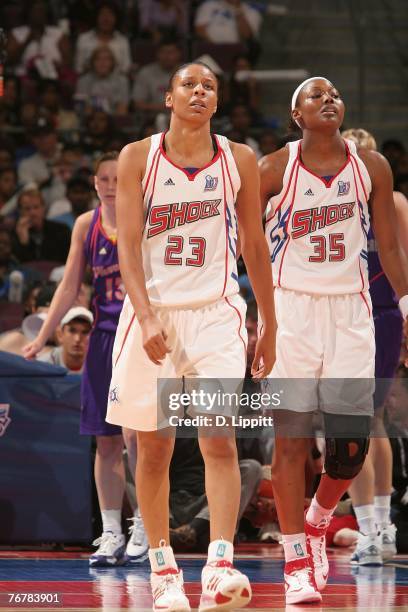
(377, 561)
(305, 598)
(130, 559)
(239, 599)
(176, 608)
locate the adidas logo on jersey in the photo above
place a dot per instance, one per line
(309, 192)
(102, 251)
(169, 182)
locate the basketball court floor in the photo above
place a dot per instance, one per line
(66, 582)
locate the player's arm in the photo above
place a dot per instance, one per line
(130, 223)
(383, 218)
(68, 289)
(271, 169)
(256, 255)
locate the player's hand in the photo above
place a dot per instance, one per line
(31, 350)
(405, 330)
(265, 355)
(154, 339)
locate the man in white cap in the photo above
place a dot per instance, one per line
(73, 336)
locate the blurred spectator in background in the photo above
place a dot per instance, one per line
(8, 188)
(35, 237)
(6, 155)
(98, 133)
(52, 107)
(242, 92)
(102, 82)
(163, 18)
(393, 150)
(38, 48)
(104, 33)
(152, 80)
(39, 298)
(39, 167)
(241, 123)
(401, 184)
(11, 100)
(229, 21)
(78, 200)
(73, 337)
(8, 264)
(268, 142)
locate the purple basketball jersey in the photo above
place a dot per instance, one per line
(102, 255)
(382, 294)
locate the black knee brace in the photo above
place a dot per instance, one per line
(347, 442)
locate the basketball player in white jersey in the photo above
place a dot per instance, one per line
(319, 192)
(181, 197)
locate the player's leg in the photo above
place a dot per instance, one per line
(382, 464)
(288, 481)
(223, 489)
(138, 546)
(219, 354)
(108, 467)
(153, 488)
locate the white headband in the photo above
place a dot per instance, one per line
(297, 92)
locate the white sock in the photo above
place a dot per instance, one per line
(220, 550)
(294, 546)
(317, 515)
(112, 521)
(365, 518)
(382, 508)
(162, 559)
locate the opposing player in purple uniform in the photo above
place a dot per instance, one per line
(93, 243)
(371, 489)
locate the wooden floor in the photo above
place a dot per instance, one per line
(68, 578)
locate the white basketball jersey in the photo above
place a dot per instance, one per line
(317, 228)
(190, 233)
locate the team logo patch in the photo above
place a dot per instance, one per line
(344, 188)
(159, 558)
(113, 395)
(4, 418)
(169, 182)
(211, 183)
(221, 550)
(298, 550)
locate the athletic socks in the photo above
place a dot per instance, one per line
(112, 521)
(317, 515)
(366, 519)
(382, 508)
(162, 558)
(294, 546)
(220, 550)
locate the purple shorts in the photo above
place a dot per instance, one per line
(388, 338)
(96, 379)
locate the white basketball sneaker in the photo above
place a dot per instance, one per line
(316, 547)
(137, 549)
(168, 591)
(300, 586)
(223, 587)
(367, 550)
(111, 547)
(388, 541)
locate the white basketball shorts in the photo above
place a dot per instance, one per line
(327, 337)
(206, 342)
